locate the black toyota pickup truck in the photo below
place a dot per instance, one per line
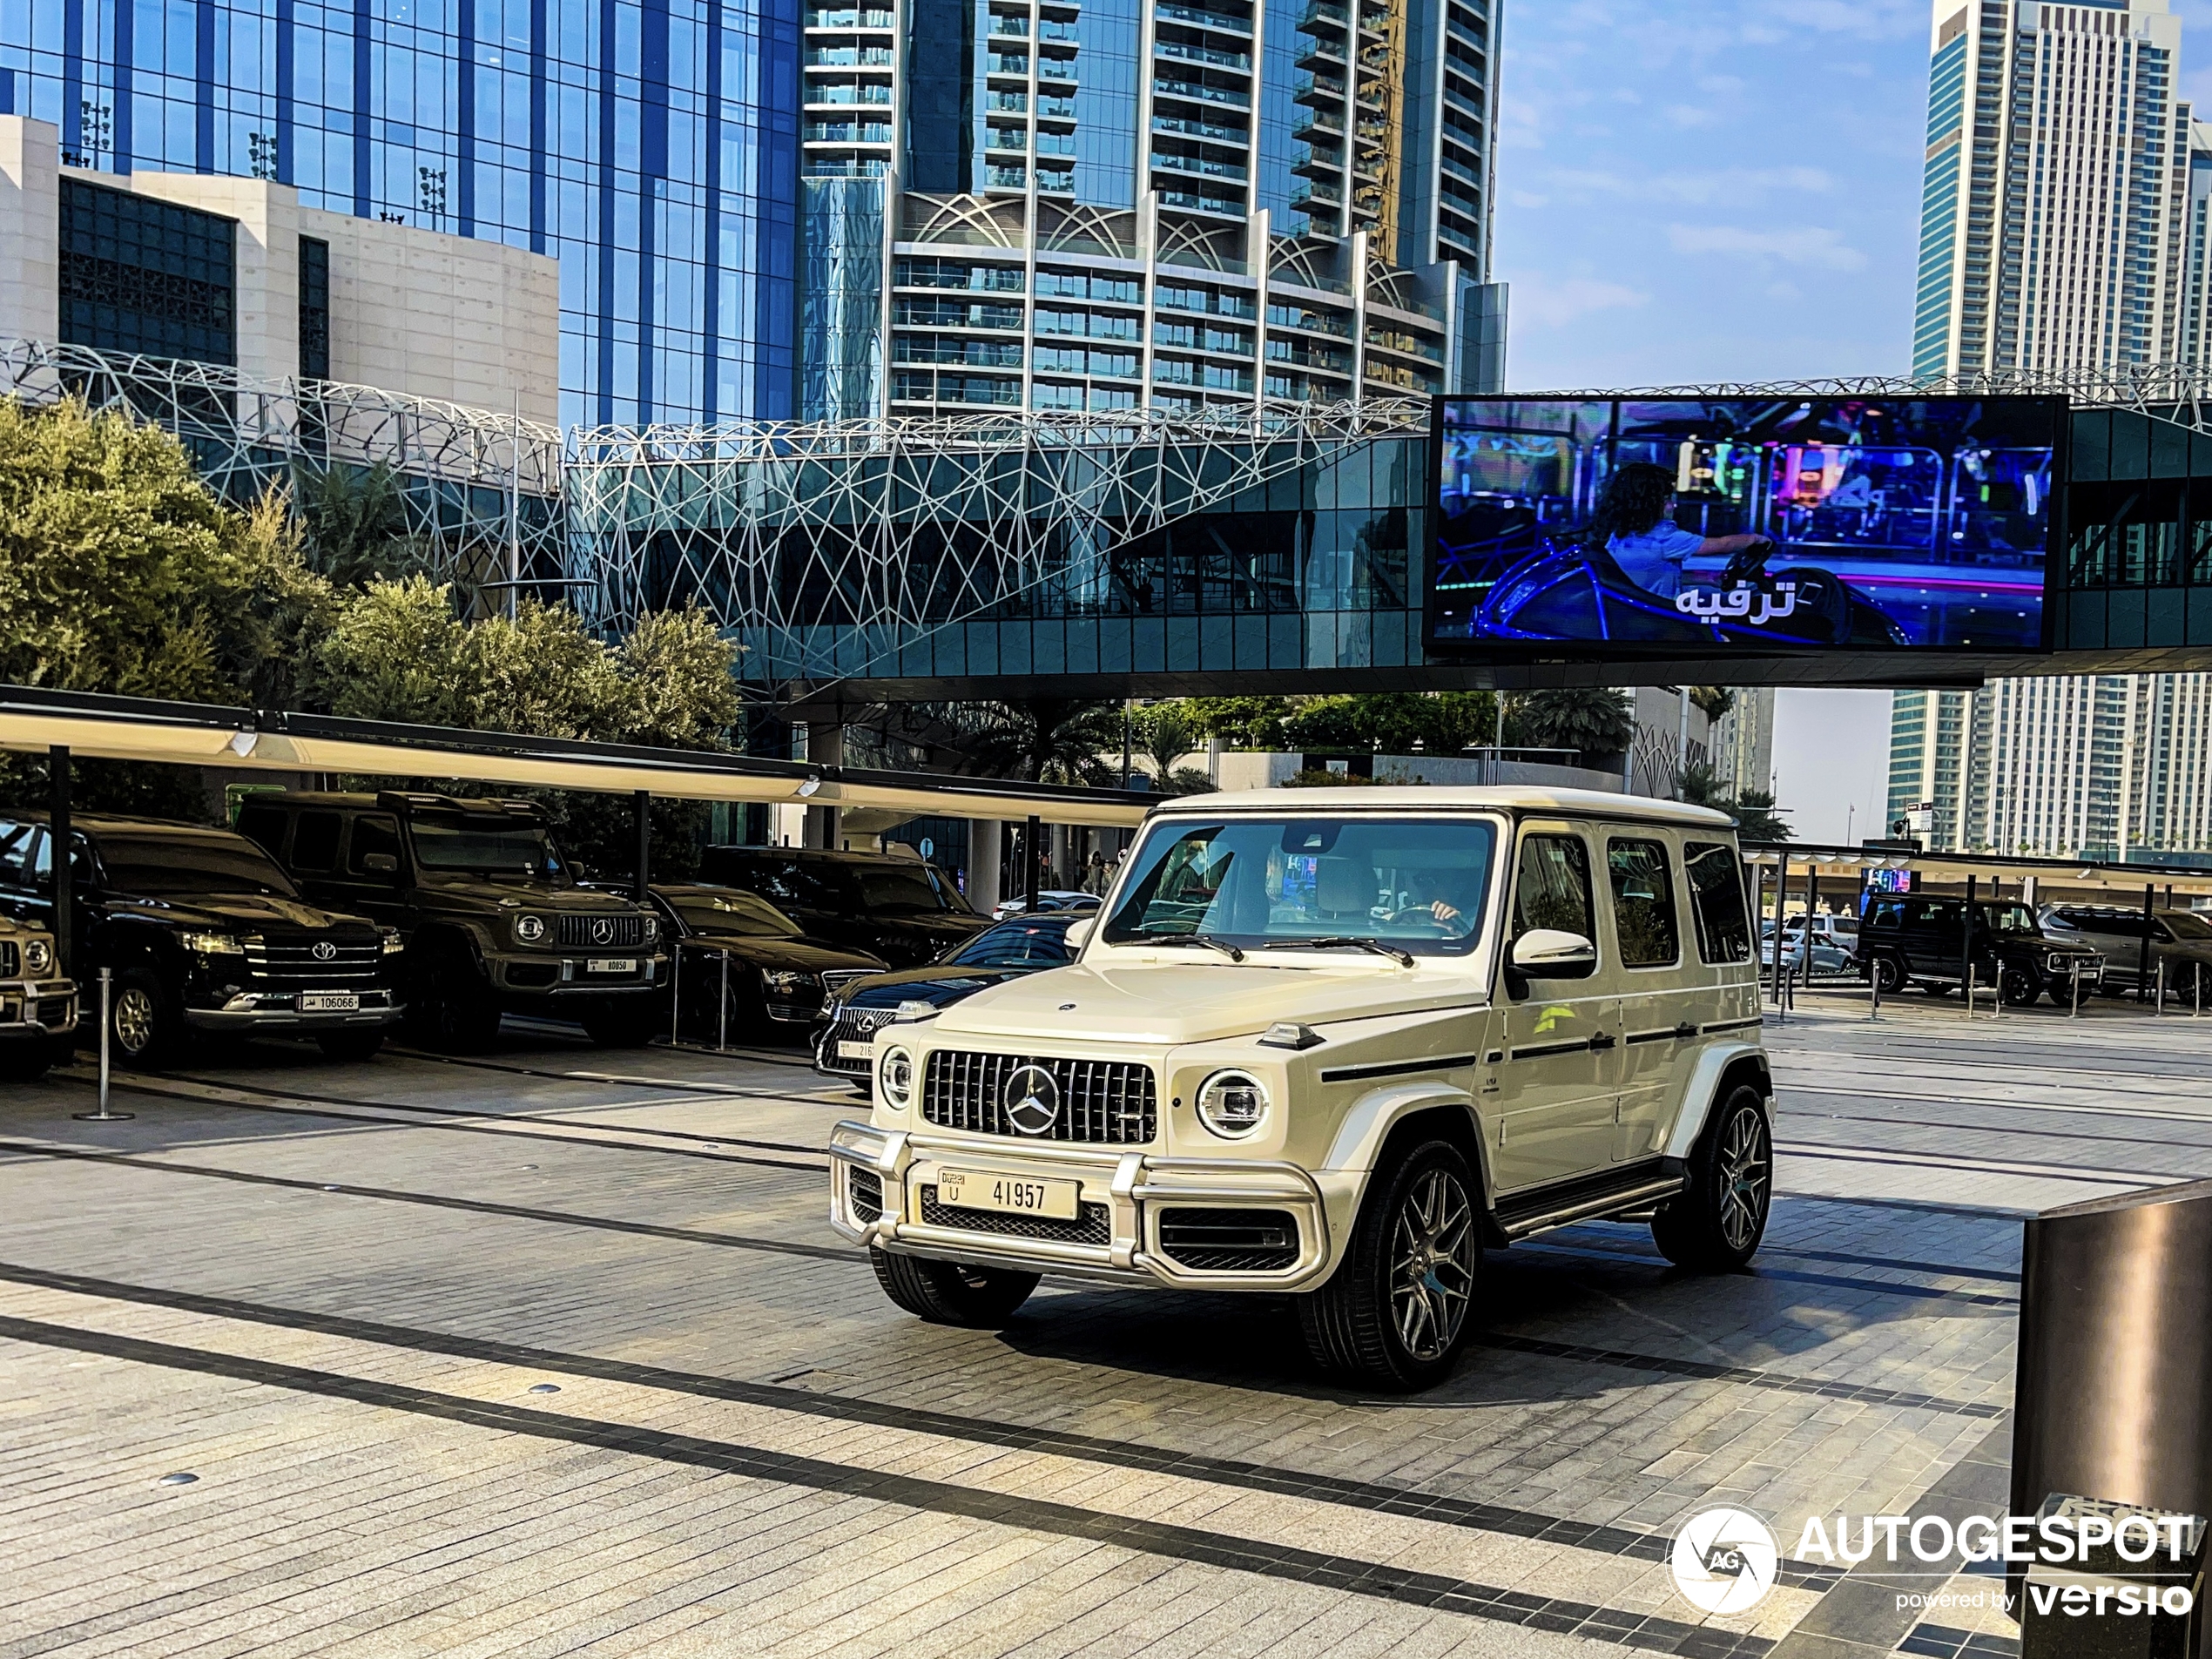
(489, 907)
(203, 934)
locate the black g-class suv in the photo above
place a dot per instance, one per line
(1923, 938)
(901, 909)
(204, 935)
(491, 910)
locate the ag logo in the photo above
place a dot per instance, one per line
(1725, 1561)
(324, 951)
(1032, 1100)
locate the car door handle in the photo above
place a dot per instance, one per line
(1601, 1041)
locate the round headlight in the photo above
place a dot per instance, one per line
(897, 1073)
(1232, 1103)
(37, 956)
(529, 929)
(652, 927)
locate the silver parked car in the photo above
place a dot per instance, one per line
(2181, 940)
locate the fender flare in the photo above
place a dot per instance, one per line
(1703, 1089)
(1360, 1138)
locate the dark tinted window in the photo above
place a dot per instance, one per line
(2184, 925)
(1015, 944)
(1643, 903)
(899, 890)
(15, 841)
(1554, 890)
(373, 836)
(1716, 902)
(176, 867)
(512, 851)
(314, 843)
(732, 912)
(782, 880)
(264, 827)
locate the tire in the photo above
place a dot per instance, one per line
(1887, 974)
(1379, 1322)
(144, 1024)
(2018, 989)
(1930, 988)
(449, 1009)
(979, 1298)
(620, 1025)
(349, 1047)
(1714, 1225)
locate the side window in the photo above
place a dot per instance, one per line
(264, 827)
(374, 838)
(1553, 888)
(315, 844)
(1717, 900)
(15, 841)
(1643, 903)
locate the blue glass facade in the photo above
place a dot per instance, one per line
(649, 145)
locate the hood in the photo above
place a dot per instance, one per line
(555, 900)
(761, 950)
(938, 986)
(1170, 1003)
(245, 912)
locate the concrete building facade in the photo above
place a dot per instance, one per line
(238, 271)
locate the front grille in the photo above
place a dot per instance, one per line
(854, 1025)
(865, 1189)
(1112, 1102)
(292, 965)
(10, 959)
(599, 933)
(1096, 1227)
(1230, 1241)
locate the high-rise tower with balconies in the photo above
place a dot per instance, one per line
(1104, 204)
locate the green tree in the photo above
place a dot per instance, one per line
(1048, 739)
(1592, 720)
(395, 651)
(1758, 819)
(1240, 722)
(683, 694)
(1164, 734)
(356, 521)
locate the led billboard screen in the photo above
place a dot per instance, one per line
(1659, 526)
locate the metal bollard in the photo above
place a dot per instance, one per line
(2197, 982)
(103, 1116)
(722, 1010)
(2074, 1012)
(1969, 988)
(1874, 983)
(676, 995)
(2161, 990)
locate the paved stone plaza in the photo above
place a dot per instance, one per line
(553, 1350)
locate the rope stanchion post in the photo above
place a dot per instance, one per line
(722, 1008)
(676, 994)
(103, 1116)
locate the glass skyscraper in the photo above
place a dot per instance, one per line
(777, 209)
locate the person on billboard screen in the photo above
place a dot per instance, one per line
(1635, 522)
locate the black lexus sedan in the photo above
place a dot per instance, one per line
(846, 1028)
(746, 970)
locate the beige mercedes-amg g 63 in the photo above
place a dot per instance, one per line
(1336, 1043)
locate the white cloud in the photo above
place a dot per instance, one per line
(1527, 199)
(1815, 246)
(1733, 184)
(1687, 116)
(1548, 303)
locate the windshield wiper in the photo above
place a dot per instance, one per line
(1207, 940)
(1348, 942)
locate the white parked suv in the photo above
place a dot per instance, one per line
(1337, 1044)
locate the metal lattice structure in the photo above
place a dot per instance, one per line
(888, 530)
(478, 490)
(2178, 392)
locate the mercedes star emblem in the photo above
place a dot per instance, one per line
(1032, 1100)
(603, 931)
(325, 950)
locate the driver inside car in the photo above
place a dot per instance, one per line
(1635, 522)
(1436, 899)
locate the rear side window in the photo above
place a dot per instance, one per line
(1643, 903)
(1716, 902)
(1553, 888)
(372, 837)
(315, 844)
(15, 852)
(264, 827)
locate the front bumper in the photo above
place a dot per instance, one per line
(251, 1011)
(524, 980)
(31, 1010)
(1132, 1187)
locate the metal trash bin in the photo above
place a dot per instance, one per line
(2114, 1398)
(2108, 1607)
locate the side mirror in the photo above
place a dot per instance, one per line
(1079, 933)
(1549, 952)
(380, 864)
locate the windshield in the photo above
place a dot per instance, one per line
(510, 852)
(2012, 918)
(907, 889)
(1421, 885)
(732, 912)
(177, 868)
(1017, 944)
(2183, 924)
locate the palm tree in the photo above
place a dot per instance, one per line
(1165, 735)
(1592, 720)
(356, 522)
(1048, 739)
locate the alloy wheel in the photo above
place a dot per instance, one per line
(1746, 1172)
(1433, 1252)
(134, 1019)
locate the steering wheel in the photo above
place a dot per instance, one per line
(1747, 563)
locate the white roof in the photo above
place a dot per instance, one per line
(1328, 802)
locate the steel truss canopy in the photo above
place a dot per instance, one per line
(195, 734)
(1850, 864)
(2181, 392)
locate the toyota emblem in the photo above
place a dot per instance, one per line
(325, 950)
(603, 932)
(1032, 1100)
